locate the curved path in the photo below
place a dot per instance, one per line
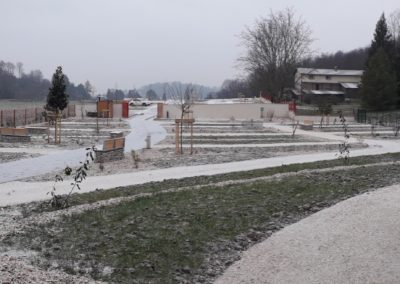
(355, 241)
(13, 192)
(21, 192)
(142, 125)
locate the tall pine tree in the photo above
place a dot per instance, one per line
(57, 99)
(382, 38)
(379, 83)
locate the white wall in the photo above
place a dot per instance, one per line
(87, 106)
(117, 110)
(226, 111)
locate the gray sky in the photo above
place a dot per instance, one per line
(130, 43)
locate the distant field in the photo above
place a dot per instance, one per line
(14, 104)
(21, 104)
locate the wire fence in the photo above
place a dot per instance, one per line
(387, 118)
(26, 116)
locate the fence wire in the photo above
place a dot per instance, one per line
(22, 117)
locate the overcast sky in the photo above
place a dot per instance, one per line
(130, 43)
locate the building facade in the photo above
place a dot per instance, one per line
(311, 84)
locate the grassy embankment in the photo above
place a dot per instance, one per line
(192, 235)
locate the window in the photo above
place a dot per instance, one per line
(328, 77)
(317, 86)
(310, 76)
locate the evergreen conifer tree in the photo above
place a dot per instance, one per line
(382, 38)
(379, 83)
(379, 86)
(57, 99)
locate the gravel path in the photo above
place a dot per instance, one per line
(355, 241)
(57, 160)
(15, 270)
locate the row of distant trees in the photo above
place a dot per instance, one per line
(117, 94)
(16, 84)
(160, 91)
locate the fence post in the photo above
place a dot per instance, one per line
(15, 125)
(1, 118)
(25, 118)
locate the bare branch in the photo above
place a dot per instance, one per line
(275, 45)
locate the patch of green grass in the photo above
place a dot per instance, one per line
(204, 180)
(159, 238)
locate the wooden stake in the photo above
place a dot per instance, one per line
(177, 147)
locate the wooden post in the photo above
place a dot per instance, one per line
(25, 117)
(178, 125)
(59, 131)
(48, 128)
(191, 138)
(14, 120)
(177, 140)
(55, 130)
(97, 118)
(1, 118)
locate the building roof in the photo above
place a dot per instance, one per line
(349, 85)
(331, 72)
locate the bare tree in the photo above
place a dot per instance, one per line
(394, 25)
(89, 88)
(10, 68)
(20, 69)
(183, 97)
(275, 46)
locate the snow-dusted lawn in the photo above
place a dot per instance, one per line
(12, 192)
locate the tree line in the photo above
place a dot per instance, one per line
(16, 84)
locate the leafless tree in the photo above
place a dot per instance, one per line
(275, 45)
(20, 69)
(10, 68)
(394, 25)
(183, 96)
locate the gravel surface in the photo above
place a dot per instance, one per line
(6, 157)
(16, 270)
(355, 241)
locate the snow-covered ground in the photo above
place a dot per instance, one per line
(263, 145)
(355, 241)
(21, 192)
(142, 125)
(12, 192)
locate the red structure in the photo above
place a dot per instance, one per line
(125, 109)
(160, 110)
(292, 107)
